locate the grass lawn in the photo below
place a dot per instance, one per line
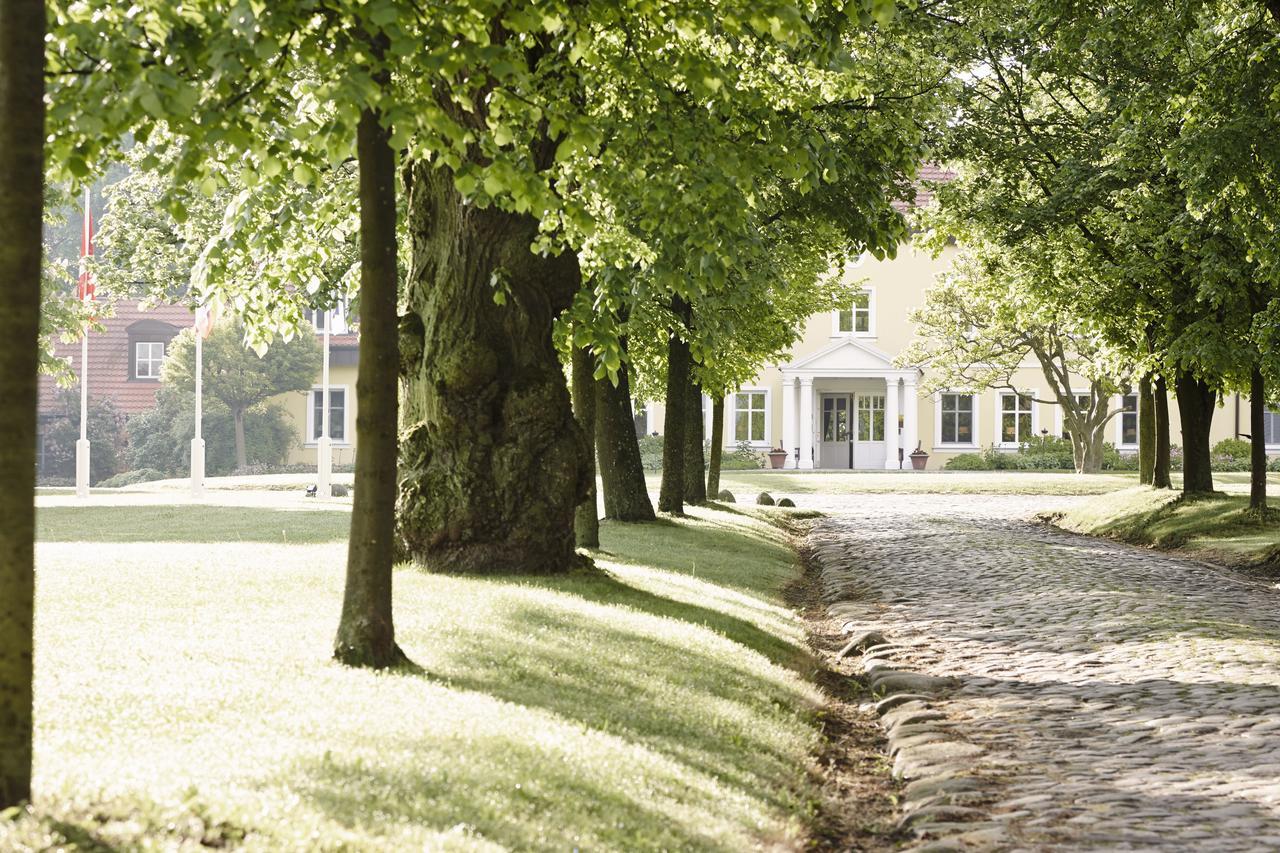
(185, 695)
(1214, 527)
(746, 484)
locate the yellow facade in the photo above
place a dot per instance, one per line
(301, 410)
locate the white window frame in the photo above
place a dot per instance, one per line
(1137, 404)
(137, 360)
(767, 441)
(1035, 418)
(337, 316)
(1058, 422)
(871, 318)
(346, 415)
(937, 422)
(871, 410)
(1272, 445)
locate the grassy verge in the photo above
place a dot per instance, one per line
(185, 696)
(746, 484)
(1214, 527)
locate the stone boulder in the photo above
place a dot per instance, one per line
(764, 499)
(726, 497)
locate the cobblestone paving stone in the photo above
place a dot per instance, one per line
(1103, 696)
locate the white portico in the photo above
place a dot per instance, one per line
(848, 406)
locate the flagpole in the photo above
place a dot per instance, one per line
(197, 443)
(82, 446)
(324, 447)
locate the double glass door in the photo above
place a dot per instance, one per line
(852, 431)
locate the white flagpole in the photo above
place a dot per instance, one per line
(197, 443)
(82, 446)
(324, 447)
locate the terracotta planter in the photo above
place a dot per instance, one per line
(778, 458)
(918, 460)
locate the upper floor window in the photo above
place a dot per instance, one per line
(957, 418)
(858, 318)
(148, 357)
(337, 317)
(1016, 425)
(1129, 419)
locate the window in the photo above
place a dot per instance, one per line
(1271, 427)
(337, 316)
(1015, 418)
(148, 356)
(856, 319)
(956, 415)
(1083, 401)
(749, 417)
(870, 417)
(1129, 419)
(337, 413)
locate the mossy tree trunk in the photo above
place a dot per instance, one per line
(1257, 440)
(366, 632)
(1146, 431)
(1196, 401)
(695, 486)
(491, 459)
(626, 493)
(717, 448)
(22, 28)
(671, 493)
(586, 523)
(1161, 474)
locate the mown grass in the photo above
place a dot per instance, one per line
(185, 696)
(1217, 527)
(746, 484)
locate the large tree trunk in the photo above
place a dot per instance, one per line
(1257, 440)
(1160, 477)
(717, 448)
(626, 493)
(22, 27)
(671, 494)
(1146, 431)
(242, 459)
(586, 520)
(490, 456)
(366, 633)
(695, 487)
(1196, 400)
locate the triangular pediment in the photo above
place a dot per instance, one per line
(848, 354)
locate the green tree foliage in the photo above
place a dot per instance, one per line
(160, 438)
(237, 377)
(106, 431)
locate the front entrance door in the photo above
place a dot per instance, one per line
(835, 442)
(869, 426)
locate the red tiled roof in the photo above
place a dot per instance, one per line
(109, 359)
(929, 173)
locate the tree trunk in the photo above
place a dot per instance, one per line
(626, 494)
(1160, 476)
(1257, 440)
(717, 448)
(22, 27)
(490, 456)
(1146, 431)
(1092, 462)
(695, 484)
(366, 632)
(671, 494)
(1196, 400)
(242, 459)
(586, 520)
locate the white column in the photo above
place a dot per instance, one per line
(197, 442)
(790, 436)
(806, 422)
(910, 415)
(891, 423)
(324, 447)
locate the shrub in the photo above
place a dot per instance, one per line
(1234, 447)
(161, 438)
(741, 459)
(651, 452)
(128, 478)
(60, 432)
(968, 462)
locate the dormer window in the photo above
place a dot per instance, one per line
(148, 357)
(858, 319)
(337, 316)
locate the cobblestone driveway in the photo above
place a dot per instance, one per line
(1103, 696)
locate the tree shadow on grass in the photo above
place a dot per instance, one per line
(190, 523)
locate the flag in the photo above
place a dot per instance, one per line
(204, 320)
(85, 289)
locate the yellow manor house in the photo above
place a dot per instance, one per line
(841, 401)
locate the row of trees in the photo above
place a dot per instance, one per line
(1117, 205)
(662, 183)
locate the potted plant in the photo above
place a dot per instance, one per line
(918, 458)
(777, 457)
